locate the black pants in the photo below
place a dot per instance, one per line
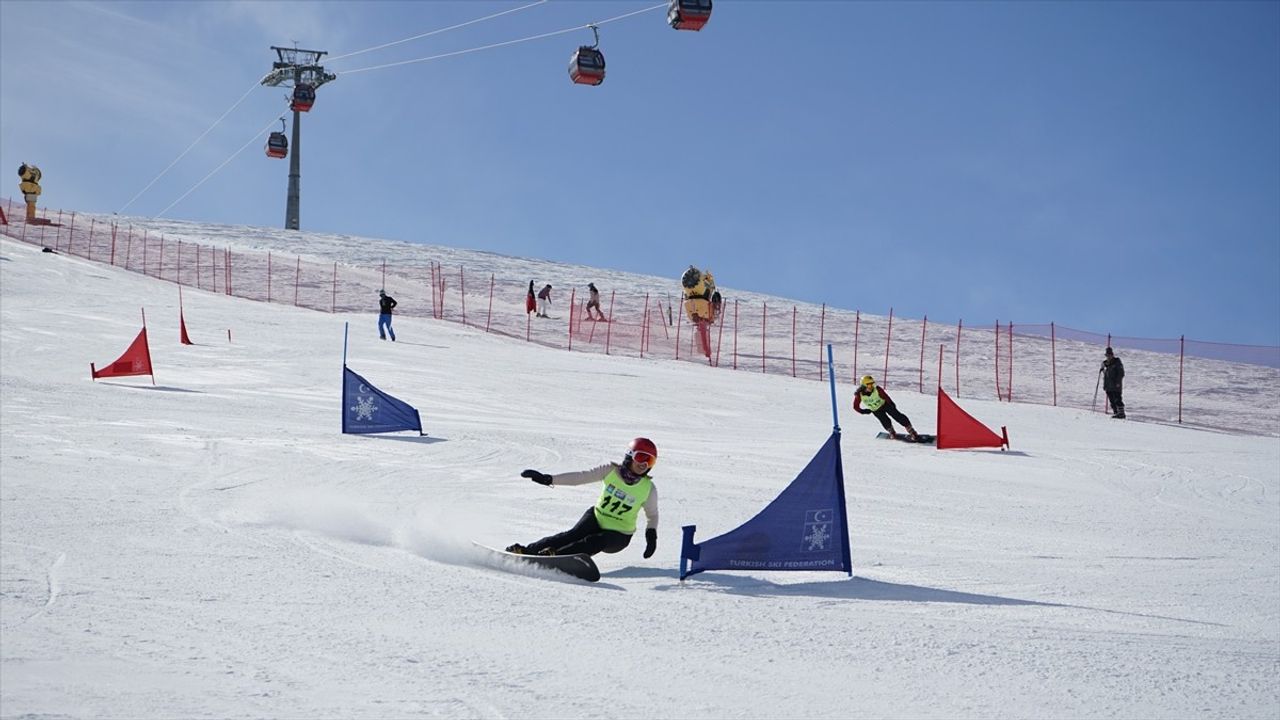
(890, 410)
(585, 537)
(1117, 404)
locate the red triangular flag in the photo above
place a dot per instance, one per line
(135, 361)
(182, 323)
(959, 429)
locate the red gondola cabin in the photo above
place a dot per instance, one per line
(304, 96)
(688, 14)
(277, 145)
(586, 67)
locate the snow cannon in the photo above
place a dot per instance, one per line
(699, 289)
(698, 286)
(30, 187)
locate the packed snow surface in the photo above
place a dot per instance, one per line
(213, 546)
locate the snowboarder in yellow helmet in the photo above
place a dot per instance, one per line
(874, 400)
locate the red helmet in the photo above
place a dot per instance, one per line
(643, 450)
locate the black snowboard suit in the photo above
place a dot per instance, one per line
(888, 410)
(1113, 383)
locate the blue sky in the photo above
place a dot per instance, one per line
(1112, 167)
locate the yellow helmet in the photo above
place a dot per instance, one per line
(868, 381)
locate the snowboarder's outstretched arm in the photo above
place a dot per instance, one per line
(582, 477)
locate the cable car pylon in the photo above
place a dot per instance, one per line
(301, 70)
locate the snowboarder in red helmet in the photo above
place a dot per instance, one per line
(608, 525)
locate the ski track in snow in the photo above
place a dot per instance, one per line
(225, 551)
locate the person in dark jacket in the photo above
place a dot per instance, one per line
(386, 304)
(1113, 382)
(608, 525)
(877, 402)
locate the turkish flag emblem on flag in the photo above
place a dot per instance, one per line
(135, 361)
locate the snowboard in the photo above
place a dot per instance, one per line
(579, 565)
(924, 439)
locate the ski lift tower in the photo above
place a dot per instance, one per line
(301, 70)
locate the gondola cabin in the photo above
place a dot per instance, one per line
(277, 145)
(304, 96)
(688, 14)
(586, 67)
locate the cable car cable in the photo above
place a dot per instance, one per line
(213, 172)
(437, 32)
(189, 147)
(553, 33)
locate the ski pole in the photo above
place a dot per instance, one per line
(1095, 390)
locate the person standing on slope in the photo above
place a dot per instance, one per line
(870, 399)
(610, 523)
(593, 301)
(530, 300)
(1113, 382)
(544, 300)
(386, 304)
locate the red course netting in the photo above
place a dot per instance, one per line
(1167, 380)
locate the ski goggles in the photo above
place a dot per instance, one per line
(641, 457)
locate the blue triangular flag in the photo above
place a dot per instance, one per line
(805, 528)
(366, 409)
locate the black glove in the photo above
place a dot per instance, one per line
(534, 475)
(863, 411)
(650, 541)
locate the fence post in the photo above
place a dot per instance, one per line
(1182, 352)
(857, 325)
(573, 299)
(268, 277)
(1010, 361)
(735, 333)
(959, 330)
(793, 341)
(462, 289)
(145, 243)
(719, 337)
(177, 275)
(822, 339)
(924, 326)
(333, 302)
(489, 319)
(1053, 358)
(384, 278)
(608, 333)
(160, 260)
(678, 327)
(999, 395)
(230, 288)
(644, 329)
(113, 244)
(940, 347)
(1106, 402)
(764, 332)
(440, 275)
(431, 283)
(888, 336)
(297, 279)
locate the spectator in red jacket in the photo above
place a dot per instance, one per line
(877, 402)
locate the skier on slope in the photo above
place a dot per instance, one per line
(610, 523)
(877, 401)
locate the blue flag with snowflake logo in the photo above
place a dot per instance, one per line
(366, 409)
(805, 528)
